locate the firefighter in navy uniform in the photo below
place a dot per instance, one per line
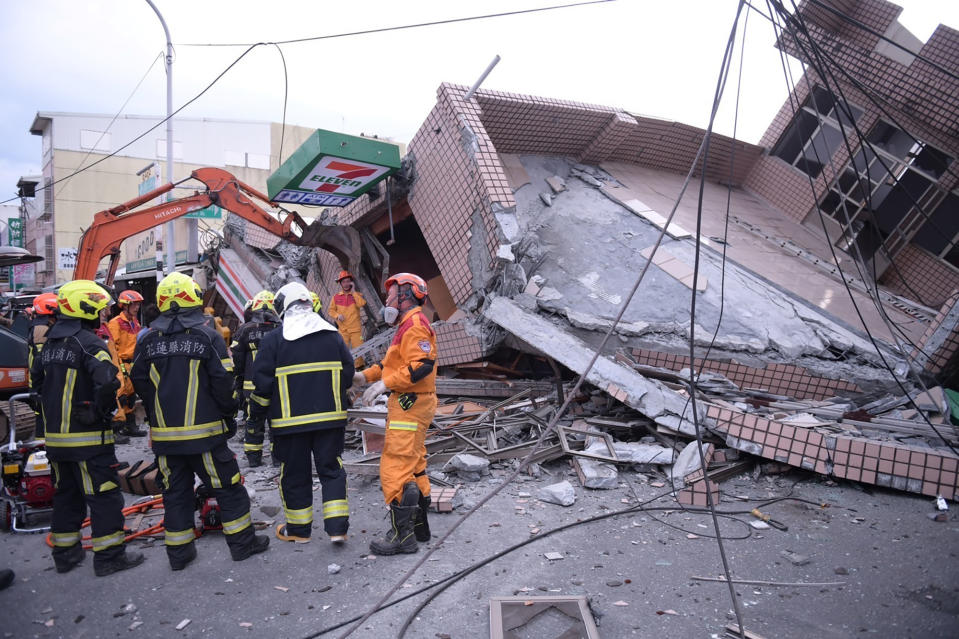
(302, 374)
(408, 371)
(77, 383)
(262, 320)
(44, 316)
(182, 373)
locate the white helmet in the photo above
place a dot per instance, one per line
(289, 293)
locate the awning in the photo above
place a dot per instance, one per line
(234, 281)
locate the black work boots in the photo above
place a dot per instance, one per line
(130, 427)
(122, 561)
(258, 544)
(67, 559)
(421, 527)
(184, 556)
(400, 538)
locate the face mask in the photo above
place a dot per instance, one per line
(390, 315)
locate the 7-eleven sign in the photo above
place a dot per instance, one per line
(341, 177)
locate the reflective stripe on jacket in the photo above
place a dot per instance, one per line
(77, 383)
(301, 384)
(248, 338)
(180, 370)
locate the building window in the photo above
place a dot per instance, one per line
(940, 233)
(814, 135)
(876, 197)
(47, 198)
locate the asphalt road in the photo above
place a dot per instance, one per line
(898, 569)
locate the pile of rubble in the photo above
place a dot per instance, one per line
(879, 441)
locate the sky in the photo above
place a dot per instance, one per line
(652, 57)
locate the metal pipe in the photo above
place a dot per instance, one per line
(170, 233)
(476, 85)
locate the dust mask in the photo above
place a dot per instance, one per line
(390, 315)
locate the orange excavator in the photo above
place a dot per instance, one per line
(112, 226)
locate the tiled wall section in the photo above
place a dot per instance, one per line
(924, 471)
(780, 379)
(455, 345)
(530, 124)
(927, 276)
(943, 349)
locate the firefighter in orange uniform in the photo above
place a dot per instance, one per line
(408, 373)
(123, 331)
(345, 308)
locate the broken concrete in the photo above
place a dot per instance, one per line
(561, 493)
(650, 397)
(596, 474)
(689, 462)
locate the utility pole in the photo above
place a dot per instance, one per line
(170, 264)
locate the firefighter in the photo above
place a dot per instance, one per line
(182, 373)
(123, 331)
(77, 383)
(408, 371)
(262, 320)
(42, 319)
(345, 308)
(301, 377)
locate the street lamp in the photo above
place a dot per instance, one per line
(170, 246)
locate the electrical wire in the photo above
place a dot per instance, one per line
(858, 259)
(846, 18)
(286, 90)
(550, 427)
(152, 128)
(780, 10)
(818, 65)
(404, 26)
(642, 507)
(114, 119)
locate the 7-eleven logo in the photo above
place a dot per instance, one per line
(336, 175)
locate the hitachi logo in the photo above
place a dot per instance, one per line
(168, 213)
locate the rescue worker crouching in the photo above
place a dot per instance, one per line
(44, 316)
(263, 320)
(408, 371)
(77, 383)
(301, 377)
(123, 331)
(182, 373)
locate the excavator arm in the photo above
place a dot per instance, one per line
(112, 226)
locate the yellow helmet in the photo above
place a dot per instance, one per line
(177, 290)
(82, 299)
(317, 304)
(262, 301)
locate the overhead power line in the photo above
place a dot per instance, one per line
(404, 26)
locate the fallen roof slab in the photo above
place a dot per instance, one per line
(648, 396)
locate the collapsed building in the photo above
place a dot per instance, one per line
(531, 219)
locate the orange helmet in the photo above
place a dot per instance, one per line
(45, 304)
(343, 275)
(128, 296)
(417, 283)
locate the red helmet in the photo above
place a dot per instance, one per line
(343, 275)
(45, 304)
(417, 283)
(128, 296)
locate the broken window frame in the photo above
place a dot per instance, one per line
(496, 616)
(816, 129)
(886, 175)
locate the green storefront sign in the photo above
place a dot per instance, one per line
(332, 169)
(149, 263)
(212, 212)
